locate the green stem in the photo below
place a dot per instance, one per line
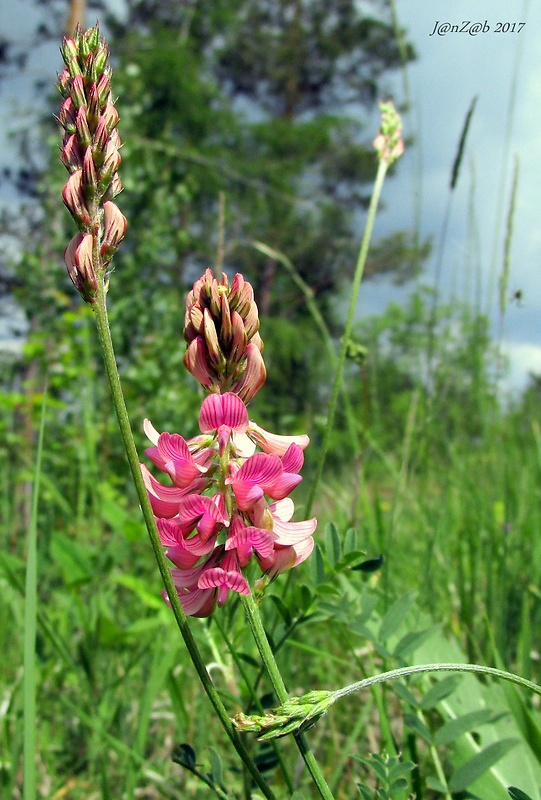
(102, 323)
(251, 686)
(436, 761)
(267, 656)
(30, 624)
(359, 269)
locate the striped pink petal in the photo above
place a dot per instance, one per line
(247, 539)
(163, 499)
(223, 409)
(173, 456)
(274, 443)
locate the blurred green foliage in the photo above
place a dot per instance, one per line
(258, 101)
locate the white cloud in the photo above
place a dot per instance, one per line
(522, 359)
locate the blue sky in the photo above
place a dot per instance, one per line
(449, 72)
(504, 71)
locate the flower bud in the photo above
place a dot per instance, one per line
(82, 128)
(71, 155)
(70, 55)
(77, 92)
(89, 176)
(74, 198)
(78, 258)
(68, 116)
(225, 322)
(115, 226)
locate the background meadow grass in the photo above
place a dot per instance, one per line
(441, 501)
(429, 513)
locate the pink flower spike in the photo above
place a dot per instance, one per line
(273, 442)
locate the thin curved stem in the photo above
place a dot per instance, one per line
(359, 270)
(403, 672)
(102, 323)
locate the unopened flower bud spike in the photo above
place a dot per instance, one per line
(90, 152)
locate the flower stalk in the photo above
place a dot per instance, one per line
(267, 656)
(389, 146)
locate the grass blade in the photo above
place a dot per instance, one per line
(30, 624)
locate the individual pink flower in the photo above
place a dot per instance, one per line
(265, 474)
(165, 500)
(247, 540)
(172, 455)
(225, 578)
(223, 414)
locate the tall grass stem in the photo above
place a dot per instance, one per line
(30, 627)
(359, 270)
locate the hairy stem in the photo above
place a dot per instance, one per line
(275, 677)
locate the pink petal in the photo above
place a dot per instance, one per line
(282, 559)
(283, 486)
(293, 458)
(283, 509)
(181, 557)
(245, 539)
(173, 456)
(163, 499)
(170, 532)
(223, 409)
(151, 431)
(273, 442)
(218, 578)
(196, 602)
(291, 533)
